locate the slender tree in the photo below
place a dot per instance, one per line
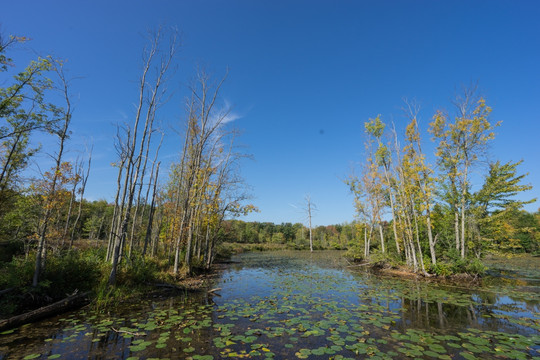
(461, 144)
(309, 208)
(157, 64)
(62, 133)
(84, 181)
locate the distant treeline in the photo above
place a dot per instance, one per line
(521, 235)
(339, 236)
(522, 228)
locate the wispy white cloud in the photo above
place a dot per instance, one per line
(230, 117)
(122, 114)
(225, 115)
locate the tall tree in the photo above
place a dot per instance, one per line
(206, 181)
(461, 144)
(422, 174)
(157, 63)
(494, 204)
(62, 132)
(23, 110)
(381, 158)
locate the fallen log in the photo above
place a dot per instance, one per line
(71, 302)
(214, 292)
(176, 287)
(357, 265)
(5, 291)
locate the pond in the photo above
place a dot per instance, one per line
(298, 305)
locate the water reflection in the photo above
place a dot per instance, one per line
(287, 305)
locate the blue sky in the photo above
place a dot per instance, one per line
(303, 77)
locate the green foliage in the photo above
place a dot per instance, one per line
(501, 186)
(468, 266)
(73, 270)
(65, 272)
(17, 273)
(451, 263)
(226, 250)
(9, 249)
(375, 127)
(295, 236)
(458, 266)
(441, 269)
(355, 253)
(381, 260)
(23, 110)
(434, 212)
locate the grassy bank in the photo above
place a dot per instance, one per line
(81, 270)
(227, 249)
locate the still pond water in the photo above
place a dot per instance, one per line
(297, 305)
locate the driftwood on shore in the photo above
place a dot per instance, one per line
(58, 307)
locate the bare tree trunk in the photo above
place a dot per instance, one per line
(456, 228)
(430, 239)
(62, 136)
(463, 226)
(151, 214)
(309, 208)
(83, 188)
(153, 179)
(178, 242)
(420, 254)
(4, 175)
(113, 233)
(149, 96)
(71, 200)
(382, 237)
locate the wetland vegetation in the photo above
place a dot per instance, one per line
(302, 305)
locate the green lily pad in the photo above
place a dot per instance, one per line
(31, 356)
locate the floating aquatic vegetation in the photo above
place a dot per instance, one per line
(284, 307)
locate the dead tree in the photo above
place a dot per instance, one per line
(309, 208)
(151, 92)
(82, 189)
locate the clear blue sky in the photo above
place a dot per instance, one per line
(304, 76)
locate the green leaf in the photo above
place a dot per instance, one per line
(31, 356)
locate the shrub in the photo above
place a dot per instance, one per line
(441, 269)
(355, 253)
(72, 270)
(17, 273)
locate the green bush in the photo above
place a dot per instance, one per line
(64, 272)
(355, 253)
(10, 249)
(475, 267)
(17, 273)
(441, 269)
(72, 270)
